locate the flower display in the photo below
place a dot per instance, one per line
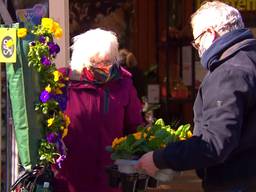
(147, 139)
(52, 99)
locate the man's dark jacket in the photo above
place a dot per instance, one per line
(223, 146)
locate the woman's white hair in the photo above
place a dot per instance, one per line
(93, 47)
(220, 16)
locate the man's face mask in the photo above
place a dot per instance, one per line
(205, 42)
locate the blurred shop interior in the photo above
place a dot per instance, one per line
(167, 70)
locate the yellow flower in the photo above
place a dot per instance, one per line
(48, 88)
(65, 132)
(138, 135)
(67, 120)
(56, 75)
(61, 85)
(50, 122)
(117, 141)
(114, 143)
(182, 138)
(151, 137)
(58, 91)
(189, 134)
(47, 23)
(56, 25)
(22, 32)
(58, 33)
(9, 43)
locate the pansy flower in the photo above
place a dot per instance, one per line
(47, 23)
(45, 61)
(50, 122)
(44, 96)
(56, 75)
(22, 32)
(51, 137)
(42, 39)
(53, 48)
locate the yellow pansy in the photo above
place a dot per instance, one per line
(138, 135)
(61, 85)
(9, 43)
(65, 132)
(55, 26)
(58, 91)
(58, 33)
(48, 88)
(151, 137)
(56, 75)
(189, 134)
(182, 138)
(50, 122)
(118, 141)
(22, 32)
(47, 23)
(67, 120)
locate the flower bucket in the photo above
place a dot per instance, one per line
(152, 182)
(142, 182)
(126, 166)
(113, 176)
(128, 182)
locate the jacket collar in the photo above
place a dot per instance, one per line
(211, 58)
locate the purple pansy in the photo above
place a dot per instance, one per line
(41, 39)
(62, 100)
(51, 138)
(53, 48)
(32, 43)
(44, 96)
(45, 61)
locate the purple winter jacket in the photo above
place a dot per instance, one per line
(98, 114)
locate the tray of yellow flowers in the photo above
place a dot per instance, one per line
(128, 149)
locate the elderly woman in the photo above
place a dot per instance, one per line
(102, 105)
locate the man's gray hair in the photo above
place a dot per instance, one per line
(220, 16)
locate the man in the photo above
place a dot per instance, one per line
(223, 147)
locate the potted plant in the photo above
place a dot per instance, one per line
(128, 149)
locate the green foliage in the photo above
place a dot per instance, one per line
(147, 139)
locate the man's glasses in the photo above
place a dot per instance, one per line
(193, 43)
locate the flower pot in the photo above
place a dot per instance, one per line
(128, 182)
(113, 176)
(152, 182)
(142, 182)
(126, 166)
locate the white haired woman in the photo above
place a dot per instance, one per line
(223, 147)
(102, 104)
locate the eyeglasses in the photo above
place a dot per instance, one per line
(194, 44)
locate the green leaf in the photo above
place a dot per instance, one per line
(160, 122)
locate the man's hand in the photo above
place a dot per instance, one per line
(146, 164)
